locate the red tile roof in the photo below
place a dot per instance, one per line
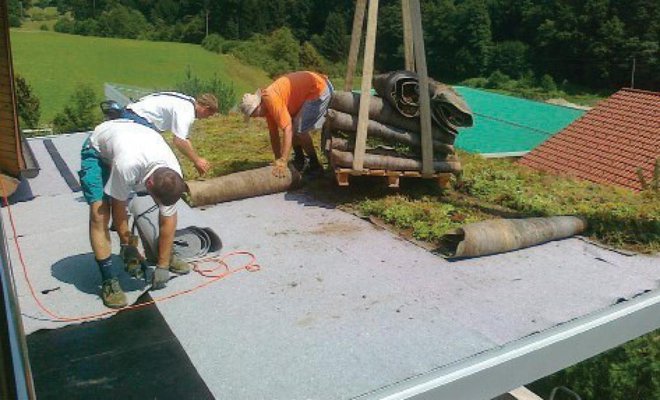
(608, 144)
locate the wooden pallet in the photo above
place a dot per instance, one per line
(393, 177)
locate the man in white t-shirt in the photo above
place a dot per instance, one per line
(120, 157)
(175, 112)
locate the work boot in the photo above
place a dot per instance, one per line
(179, 266)
(112, 295)
(299, 162)
(313, 171)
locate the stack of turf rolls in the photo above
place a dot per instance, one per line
(393, 130)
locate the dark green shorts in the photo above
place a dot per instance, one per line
(93, 174)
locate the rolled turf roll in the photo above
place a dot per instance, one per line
(375, 161)
(502, 235)
(348, 123)
(240, 185)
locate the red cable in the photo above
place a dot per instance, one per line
(251, 266)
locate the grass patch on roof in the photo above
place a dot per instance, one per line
(488, 188)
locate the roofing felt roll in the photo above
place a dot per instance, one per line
(380, 111)
(348, 123)
(401, 90)
(502, 235)
(193, 238)
(241, 185)
(375, 161)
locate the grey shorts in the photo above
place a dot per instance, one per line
(312, 113)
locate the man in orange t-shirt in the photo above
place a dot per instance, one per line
(296, 104)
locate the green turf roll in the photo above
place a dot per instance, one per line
(240, 185)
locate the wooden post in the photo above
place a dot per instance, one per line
(365, 96)
(407, 36)
(424, 99)
(356, 36)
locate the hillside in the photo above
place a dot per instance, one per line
(53, 63)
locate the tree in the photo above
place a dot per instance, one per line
(473, 29)
(28, 104)
(81, 113)
(124, 22)
(310, 59)
(334, 41)
(510, 57)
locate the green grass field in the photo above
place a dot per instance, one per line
(54, 63)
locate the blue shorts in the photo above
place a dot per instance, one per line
(130, 114)
(312, 113)
(93, 174)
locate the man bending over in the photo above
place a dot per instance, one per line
(296, 104)
(119, 157)
(175, 112)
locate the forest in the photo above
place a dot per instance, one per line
(596, 44)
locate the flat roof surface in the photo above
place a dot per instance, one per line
(507, 124)
(339, 309)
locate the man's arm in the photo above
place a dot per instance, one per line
(184, 146)
(275, 142)
(166, 239)
(286, 145)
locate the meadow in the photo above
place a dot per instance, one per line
(54, 63)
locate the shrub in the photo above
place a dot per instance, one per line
(64, 25)
(28, 104)
(192, 85)
(44, 27)
(37, 14)
(87, 27)
(213, 42)
(122, 22)
(81, 113)
(311, 59)
(547, 83)
(497, 80)
(475, 82)
(276, 53)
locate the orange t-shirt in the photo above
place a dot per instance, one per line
(284, 97)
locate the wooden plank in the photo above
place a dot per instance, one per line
(365, 97)
(342, 178)
(376, 172)
(7, 140)
(7, 123)
(393, 181)
(444, 180)
(407, 36)
(356, 36)
(412, 174)
(424, 98)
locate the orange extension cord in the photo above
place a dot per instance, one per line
(210, 273)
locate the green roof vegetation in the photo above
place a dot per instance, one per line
(506, 124)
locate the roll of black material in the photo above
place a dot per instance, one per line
(348, 123)
(401, 90)
(193, 239)
(348, 102)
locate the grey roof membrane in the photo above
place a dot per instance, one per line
(339, 308)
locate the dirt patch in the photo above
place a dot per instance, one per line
(336, 228)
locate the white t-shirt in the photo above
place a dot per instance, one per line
(133, 152)
(168, 111)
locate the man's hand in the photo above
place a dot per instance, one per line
(279, 168)
(132, 259)
(202, 165)
(160, 277)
